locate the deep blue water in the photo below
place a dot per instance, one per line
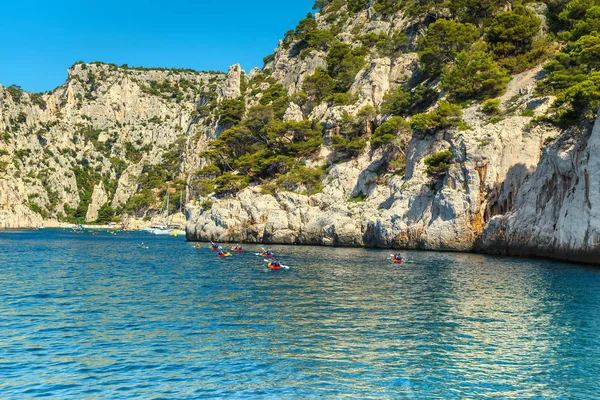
(86, 316)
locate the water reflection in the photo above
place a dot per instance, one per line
(88, 316)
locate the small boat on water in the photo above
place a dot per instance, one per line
(167, 228)
(160, 230)
(163, 229)
(274, 267)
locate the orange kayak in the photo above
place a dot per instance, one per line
(397, 261)
(274, 267)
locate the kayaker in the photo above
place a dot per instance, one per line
(142, 245)
(397, 256)
(221, 251)
(409, 258)
(276, 263)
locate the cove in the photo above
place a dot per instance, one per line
(86, 316)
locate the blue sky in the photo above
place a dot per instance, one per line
(40, 39)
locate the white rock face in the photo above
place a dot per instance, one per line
(491, 163)
(557, 211)
(106, 123)
(375, 80)
(231, 88)
(291, 73)
(99, 198)
(13, 214)
(293, 113)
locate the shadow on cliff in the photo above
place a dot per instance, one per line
(367, 180)
(500, 201)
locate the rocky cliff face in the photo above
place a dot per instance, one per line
(412, 210)
(91, 142)
(515, 186)
(108, 141)
(555, 214)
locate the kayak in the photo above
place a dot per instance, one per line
(274, 267)
(214, 248)
(197, 246)
(397, 261)
(142, 247)
(266, 255)
(228, 254)
(237, 250)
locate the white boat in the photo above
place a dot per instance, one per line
(176, 229)
(163, 229)
(160, 230)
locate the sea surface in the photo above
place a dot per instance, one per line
(86, 317)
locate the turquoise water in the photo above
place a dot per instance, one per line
(86, 316)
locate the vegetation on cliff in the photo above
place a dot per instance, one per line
(467, 53)
(287, 134)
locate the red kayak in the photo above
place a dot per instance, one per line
(214, 248)
(238, 250)
(397, 261)
(274, 267)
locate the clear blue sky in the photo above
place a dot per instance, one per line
(40, 39)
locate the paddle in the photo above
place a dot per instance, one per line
(282, 266)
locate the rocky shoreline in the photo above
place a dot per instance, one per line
(514, 200)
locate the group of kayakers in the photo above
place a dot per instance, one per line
(273, 261)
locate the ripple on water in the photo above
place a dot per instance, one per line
(93, 316)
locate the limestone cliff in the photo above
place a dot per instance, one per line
(91, 142)
(112, 140)
(411, 210)
(555, 214)
(516, 185)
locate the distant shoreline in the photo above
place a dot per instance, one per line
(63, 226)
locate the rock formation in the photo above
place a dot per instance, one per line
(107, 142)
